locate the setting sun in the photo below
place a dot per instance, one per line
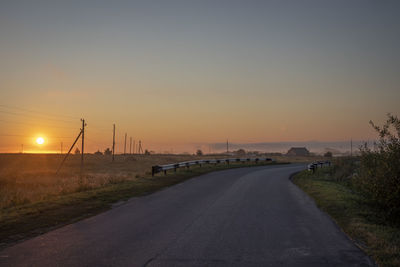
(40, 140)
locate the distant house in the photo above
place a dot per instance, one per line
(298, 151)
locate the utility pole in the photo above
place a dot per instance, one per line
(83, 143)
(130, 145)
(125, 145)
(227, 146)
(113, 143)
(133, 147)
(351, 147)
(140, 147)
(69, 151)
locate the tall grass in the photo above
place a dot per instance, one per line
(26, 178)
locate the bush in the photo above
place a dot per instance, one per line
(108, 151)
(344, 168)
(379, 173)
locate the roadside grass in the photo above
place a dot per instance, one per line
(29, 178)
(28, 220)
(357, 217)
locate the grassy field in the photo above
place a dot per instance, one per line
(29, 178)
(354, 214)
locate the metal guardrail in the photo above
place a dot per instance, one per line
(313, 166)
(164, 168)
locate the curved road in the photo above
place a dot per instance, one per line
(238, 217)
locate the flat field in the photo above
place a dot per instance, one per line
(26, 178)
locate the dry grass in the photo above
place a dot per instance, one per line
(31, 178)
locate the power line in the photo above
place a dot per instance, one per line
(30, 136)
(24, 115)
(35, 124)
(38, 112)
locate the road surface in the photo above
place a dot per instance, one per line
(238, 217)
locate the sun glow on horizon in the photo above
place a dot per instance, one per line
(40, 140)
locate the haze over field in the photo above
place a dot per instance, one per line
(182, 75)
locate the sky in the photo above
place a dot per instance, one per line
(179, 75)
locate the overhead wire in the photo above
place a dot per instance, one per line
(38, 112)
(36, 124)
(32, 116)
(30, 136)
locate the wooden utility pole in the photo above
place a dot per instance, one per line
(69, 151)
(140, 147)
(113, 143)
(130, 145)
(83, 143)
(125, 145)
(351, 147)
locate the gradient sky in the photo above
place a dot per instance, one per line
(178, 73)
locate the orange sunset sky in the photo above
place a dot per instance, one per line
(179, 75)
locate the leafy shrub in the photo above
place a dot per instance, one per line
(344, 168)
(379, 173)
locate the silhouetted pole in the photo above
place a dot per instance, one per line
(125, 145)
(351, 147)
(130, 145)
(133, 147)
(227, 146)
(140, 147)
(83, 143)
(113, 143)
(69, 151)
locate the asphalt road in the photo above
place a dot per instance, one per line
(238, 217)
